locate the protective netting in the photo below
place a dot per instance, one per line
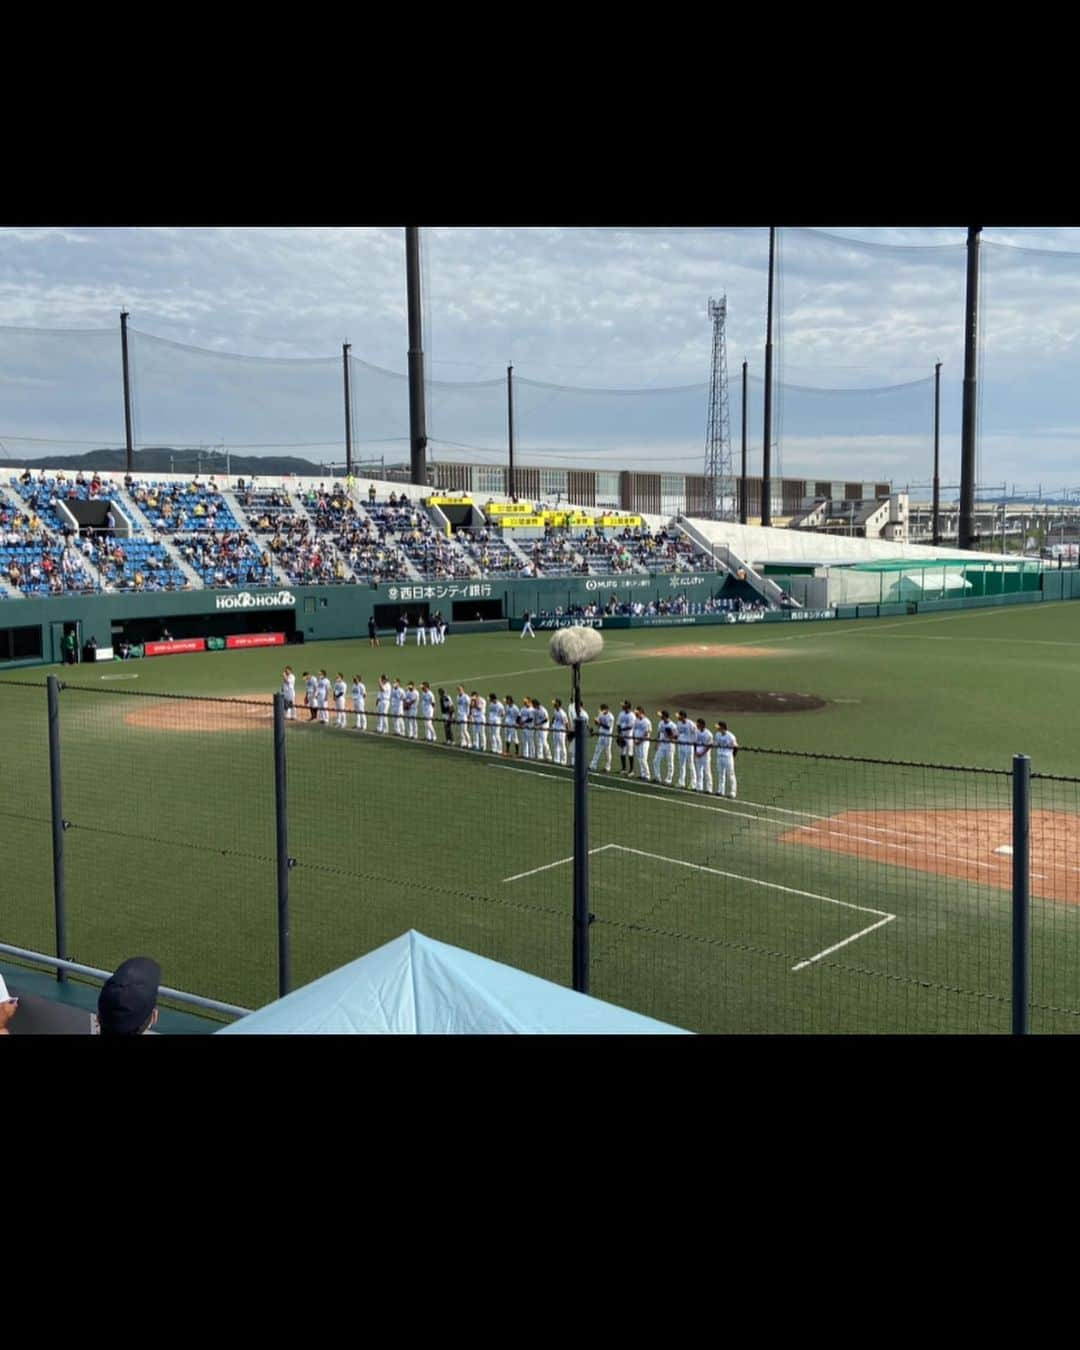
(773, 891)
(858, 328)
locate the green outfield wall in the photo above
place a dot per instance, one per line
(322, 613)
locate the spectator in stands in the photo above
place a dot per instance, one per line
(127, 1005)
(9, 1006)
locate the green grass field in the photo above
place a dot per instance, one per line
(715, 915)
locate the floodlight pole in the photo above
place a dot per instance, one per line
(345, 350)
(966, 525)
(582, 918)
(127, 392)
(417, 428)
(766, 450)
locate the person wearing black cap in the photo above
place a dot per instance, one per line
(127, 1005)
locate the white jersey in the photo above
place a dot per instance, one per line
(312, 685)
(525, 718)
(462, 707)
(397, 694)
(626, 724)
(409, 700)
(288, 688)
(704, 740)
(687, 732)
(479, 710)
(382, 698)
(668, 732)
(540, 718)
(605, 722)
(642, 730)
(513, 714)
(497, 713)
(323, 691)
(427, 702)
(725, 743)
(340, 689)
(559, 720)
(359, 695)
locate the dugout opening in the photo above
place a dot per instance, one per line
(386, 616)
(226, 624)
(476, 611)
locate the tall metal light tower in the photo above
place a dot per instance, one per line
(719, 470)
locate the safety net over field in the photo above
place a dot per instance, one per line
(830, 894)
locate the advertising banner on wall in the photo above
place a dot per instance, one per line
(174, 648)
(255, 640)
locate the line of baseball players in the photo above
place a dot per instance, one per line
(685, 749)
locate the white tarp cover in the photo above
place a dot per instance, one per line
(416, 986)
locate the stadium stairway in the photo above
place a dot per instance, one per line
(144, 530)
(728, 560)
(411, 570)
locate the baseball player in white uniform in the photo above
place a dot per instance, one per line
(605, 722)
(541, 722)
(726, 748)
(625, 725)
(642, 732)
(359, 701)
(311, 689)
(559, 723)
(478, 713)
(513, 712)
(410, 707)
(442, 631)
(432, 630)
(664, 761)
(427, 711)
(463, 717)
(687, 735)
(382, 705)
(288, 692)
(525, 723)
(322, 696)
(340, 690)
(397, 698)
(703, 742)
(421, 631)
(496, 717)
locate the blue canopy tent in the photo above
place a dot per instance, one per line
(416, 986)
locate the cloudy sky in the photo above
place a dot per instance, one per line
(237, 337)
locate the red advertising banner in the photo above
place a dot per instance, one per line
(256, 640)
(175, 648)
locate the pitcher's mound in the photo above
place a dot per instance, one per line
(748, 701)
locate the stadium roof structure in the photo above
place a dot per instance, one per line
(415, 986)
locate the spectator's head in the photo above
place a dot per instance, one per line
(127, 1005)
(9, 1006)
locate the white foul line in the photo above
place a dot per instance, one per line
(547, 866)
(752, 881)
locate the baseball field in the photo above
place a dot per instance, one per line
(853, 886)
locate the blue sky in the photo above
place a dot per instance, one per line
(574, 310)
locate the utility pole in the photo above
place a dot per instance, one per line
(417, 428)
(935, 526)
(345, 350)
(744, 495)
(511, 484)
(766, 449)
(127, 392)
(966, 528)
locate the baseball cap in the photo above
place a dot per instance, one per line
(129, 996)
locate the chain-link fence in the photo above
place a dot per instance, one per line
(731, 889)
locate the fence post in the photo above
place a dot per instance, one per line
(59, 824)
(284, 862)
(581, 853)
(1021, 934)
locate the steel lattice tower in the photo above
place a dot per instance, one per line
(719, 470)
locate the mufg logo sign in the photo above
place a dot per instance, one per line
(245, 600)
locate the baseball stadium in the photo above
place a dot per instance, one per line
(901, 711)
